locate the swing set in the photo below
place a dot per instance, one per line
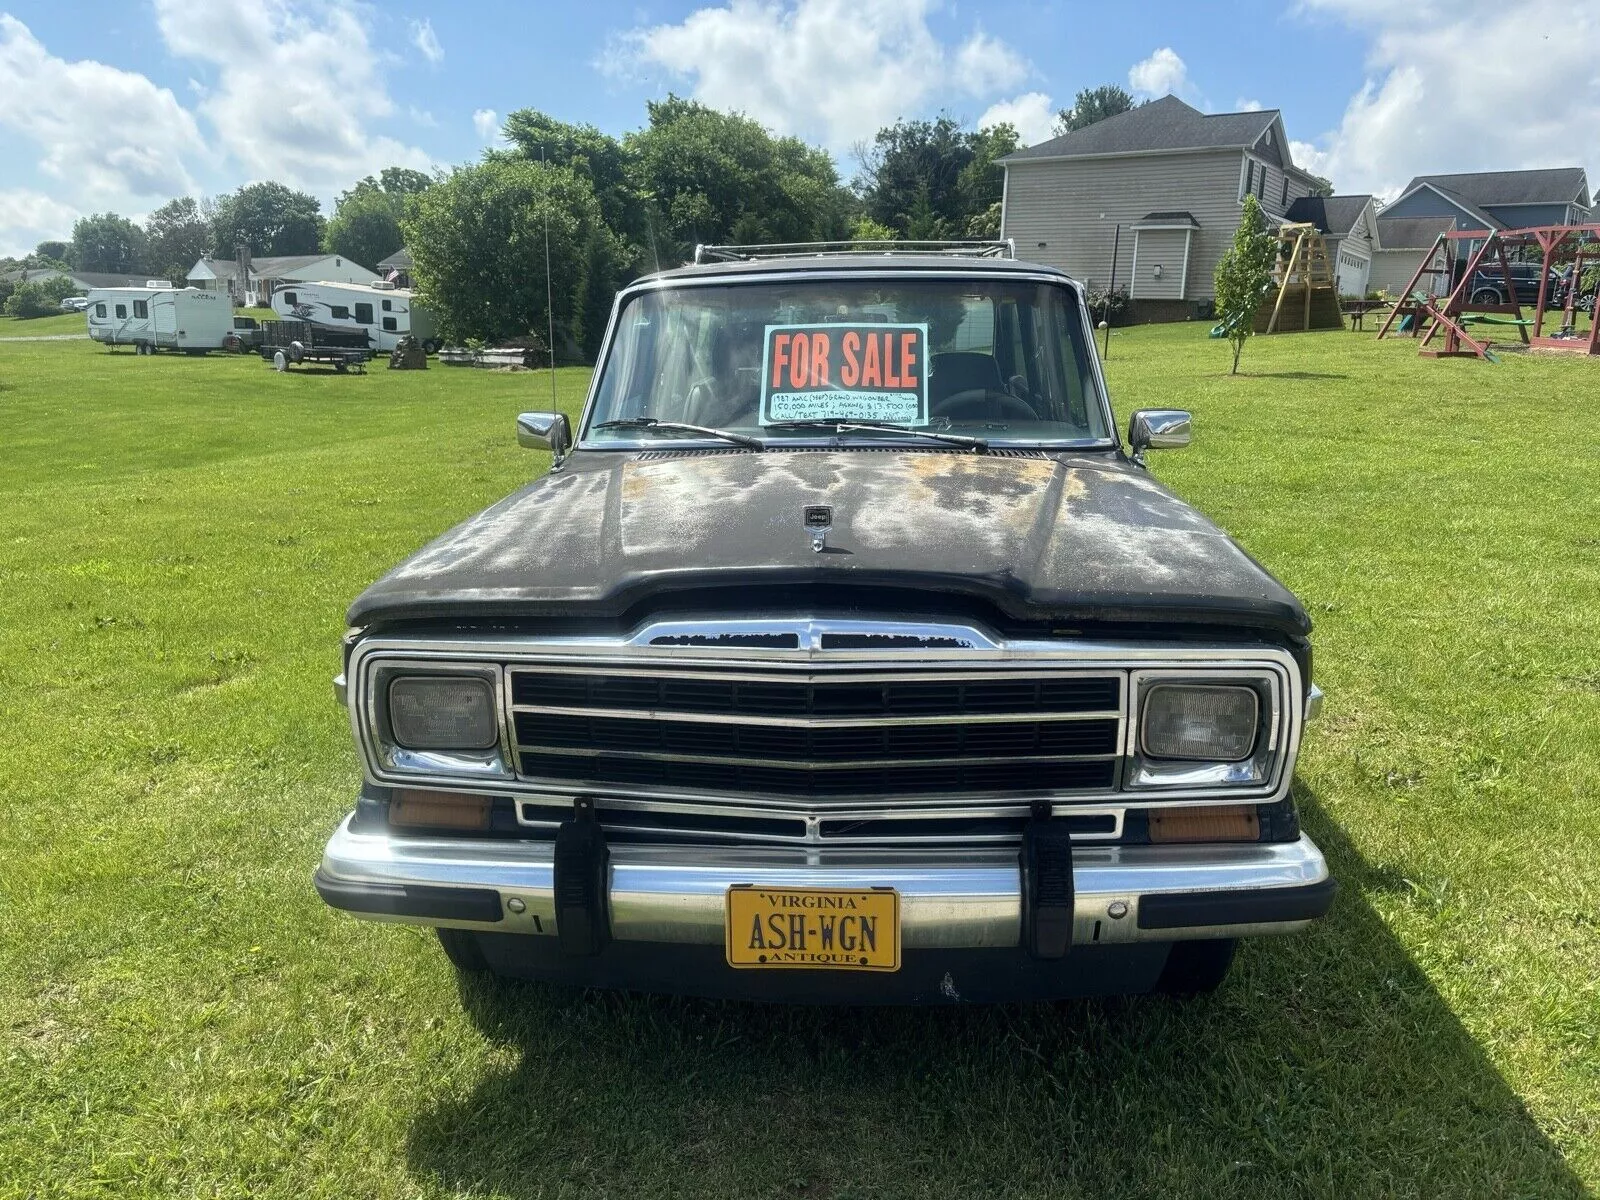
(1448, 307)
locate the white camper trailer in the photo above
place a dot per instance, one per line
(153, 317)
(382, 311)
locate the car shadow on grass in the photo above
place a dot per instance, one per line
(1326, 1065)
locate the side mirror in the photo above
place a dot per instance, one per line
(1157, 429)
(545, 431)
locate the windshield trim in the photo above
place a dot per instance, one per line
(639, 287)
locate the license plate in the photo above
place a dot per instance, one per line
(842, 929)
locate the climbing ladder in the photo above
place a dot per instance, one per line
(1307, 297)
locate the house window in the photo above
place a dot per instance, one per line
(141, 309)
(290, 298)
(1261, 184)
(122, 311)
(99, 310)
(364, 314)
(1249, 176)
(390, 325)
(388, 306)
(339, 312)
(1285, 191)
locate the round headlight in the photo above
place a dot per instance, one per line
(441, 712)
(1204, 722)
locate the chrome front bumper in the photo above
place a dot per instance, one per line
(948, 899)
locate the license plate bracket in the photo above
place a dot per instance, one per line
(812, 928)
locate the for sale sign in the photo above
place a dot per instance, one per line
(866, 372)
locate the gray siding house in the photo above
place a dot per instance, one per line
(1171, 177)
(1433, 204)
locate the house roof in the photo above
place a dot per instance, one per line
(1334, 215)
(1174, 217)
(281, 266)
(400, 260)
(1553, 185)
(1164, 124)
(1411, 233)
(82, 279)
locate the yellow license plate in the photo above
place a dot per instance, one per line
(845, 929)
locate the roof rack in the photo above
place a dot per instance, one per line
(994, 248)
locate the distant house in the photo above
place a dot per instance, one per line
(397, 268)
(222, 274)
(1433, 204)
(81, 280)
(1349, 225)
(1172, 178)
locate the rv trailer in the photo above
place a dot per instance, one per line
(154, 318)
(382, 311)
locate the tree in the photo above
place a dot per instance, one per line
(176, 237)
(867, 230)
(106, 243)
(707, 176)
(39, 297)
(912, 176)
(365, 226)
(1091, 105)
(1321, 186)
(596, 156)
(53, 251)
(1244, 273)
(478, 240)
(268, 218)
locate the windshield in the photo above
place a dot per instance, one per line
(998, 360)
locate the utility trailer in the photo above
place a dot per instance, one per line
(289, 343)
(157, 317)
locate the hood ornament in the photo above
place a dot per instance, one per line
(819, 520)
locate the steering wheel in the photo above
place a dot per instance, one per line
(979, 403)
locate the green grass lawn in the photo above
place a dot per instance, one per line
(181, 1017)
(44, 326)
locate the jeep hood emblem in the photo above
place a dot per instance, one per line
(819, 519)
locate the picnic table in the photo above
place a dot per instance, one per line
(1357, 310)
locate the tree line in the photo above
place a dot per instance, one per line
(612, 208)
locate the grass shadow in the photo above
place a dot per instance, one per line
(1327, 1065)
(1291, 375)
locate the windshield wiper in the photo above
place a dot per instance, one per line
(727, 435)
(838, 425)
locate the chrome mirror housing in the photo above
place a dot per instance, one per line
(1157, 429)
(545, 431)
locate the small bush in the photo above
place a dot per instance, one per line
(1111, 305)
(39, 297)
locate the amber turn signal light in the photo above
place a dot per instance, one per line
(438, 810)
(1220, 823)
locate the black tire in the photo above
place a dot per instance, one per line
(1196, 968)
(1486, 296)
(431, 346)
(461, 948)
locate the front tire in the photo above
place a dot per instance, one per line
(1196, 968)
(461, 948)
(1485, 296)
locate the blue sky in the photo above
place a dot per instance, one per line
(122, 106)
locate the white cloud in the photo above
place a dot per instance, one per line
(28, 218)
(487, 122)
(1031, 114)
(295, 88)
(102, 131)
(832, 70)
(1243, 105)
(426, 41)
(1159, 74)
(422, 117)
(1444, 93)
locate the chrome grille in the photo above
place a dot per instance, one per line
(819, 736)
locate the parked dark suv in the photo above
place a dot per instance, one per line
(1489, 284)
(846, 654)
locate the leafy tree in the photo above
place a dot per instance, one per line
(982, 181)
(985, 224)
(107, 243)
(1091, 105)
(478, 238)
(707, 176)
(596, 156)
(1244, 273)
(53, 251)
(365, 226)
(867, 230)
(176, 237)
(912, 177)
(1321, 186)
(39, 297)
(269, 218)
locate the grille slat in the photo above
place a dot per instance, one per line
(809, 736)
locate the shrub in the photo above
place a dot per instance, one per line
(1111, 305)
(39, 297)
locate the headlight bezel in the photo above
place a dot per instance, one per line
(1257, 773)
(388, 758)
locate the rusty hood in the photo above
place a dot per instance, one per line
(1040, 538)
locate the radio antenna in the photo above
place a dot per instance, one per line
(549, 288)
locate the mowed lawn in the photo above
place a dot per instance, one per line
(180, 1016)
